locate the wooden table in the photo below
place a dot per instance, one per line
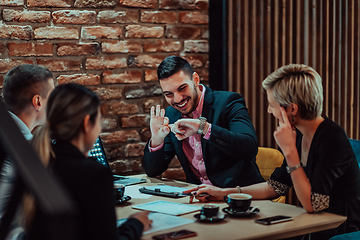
(242, 228)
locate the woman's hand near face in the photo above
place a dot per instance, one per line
(285, 135)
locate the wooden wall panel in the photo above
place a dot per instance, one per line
(266, 34)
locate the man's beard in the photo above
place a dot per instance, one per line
(195, 102)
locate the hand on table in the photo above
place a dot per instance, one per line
(143, 218)
(216, 193)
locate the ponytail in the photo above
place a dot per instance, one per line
(41, 143)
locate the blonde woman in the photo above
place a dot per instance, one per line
(319, 161)
(73, 125)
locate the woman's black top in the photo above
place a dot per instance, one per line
(90, 185)
(334, 175)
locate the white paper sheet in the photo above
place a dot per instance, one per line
(162, 222)
(133, 192)
(167, 207)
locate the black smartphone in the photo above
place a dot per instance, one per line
(175, 235)
(274, 219)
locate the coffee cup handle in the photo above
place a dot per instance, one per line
(226, 199)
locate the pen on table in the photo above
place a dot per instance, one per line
(194, 193)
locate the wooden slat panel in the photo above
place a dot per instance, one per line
(264, 35)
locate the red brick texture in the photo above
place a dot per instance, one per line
(113, 47)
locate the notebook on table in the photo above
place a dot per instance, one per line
(98, 152)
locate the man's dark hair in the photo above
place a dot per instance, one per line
(172, 65)
(22, 83)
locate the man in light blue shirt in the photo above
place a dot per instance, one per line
(26, 89)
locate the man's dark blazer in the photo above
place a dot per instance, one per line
(229, 153)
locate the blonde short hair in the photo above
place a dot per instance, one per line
(298, 84)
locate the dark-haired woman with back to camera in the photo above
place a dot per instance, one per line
(73, 125)
(319, 161)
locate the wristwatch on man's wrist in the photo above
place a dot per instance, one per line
(202, 125)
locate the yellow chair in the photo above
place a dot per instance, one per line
(267, 160)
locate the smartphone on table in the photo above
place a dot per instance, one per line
(175, 235)
(273, 220)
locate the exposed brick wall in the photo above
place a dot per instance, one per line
(114, 48)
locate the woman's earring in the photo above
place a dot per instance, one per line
(292, 118)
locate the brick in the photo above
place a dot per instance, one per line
(115, 152)
(204, 74)
(7, 64)
(174, 163)
(1, 81)
(181, 4)
(152, 102)
(174, 173)
(142, 91)
(108, 93)
(162, 46)
(193, 17)
(15, 32)
(100, 32)
(118, 17)
(2, 48)
(73, 49)
(151, 75)
(49, 3)
(108, 123)
(158, 17)
(124, 46)
(125, 77)
(95, 3)
(205, 33)
(130, 166)
(196, 46)
(138, 3)
(134, 150)
(152, 61)
(56, 33)
(145, 134)
(139, 120)
(11, 15)
(83, 79)
(74, 17)
(11, 3)
(105, 62)
(118, 107)
(195, 61)
(138, 31)
(185, 32)
(57, 65)
(120, 136)
(30, 49)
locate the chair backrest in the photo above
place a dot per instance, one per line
(267, 160)
(347, 236)
(355, 144)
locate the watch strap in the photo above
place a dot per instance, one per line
(202, 125)
(291, 169)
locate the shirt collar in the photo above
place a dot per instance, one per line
(22, 126)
